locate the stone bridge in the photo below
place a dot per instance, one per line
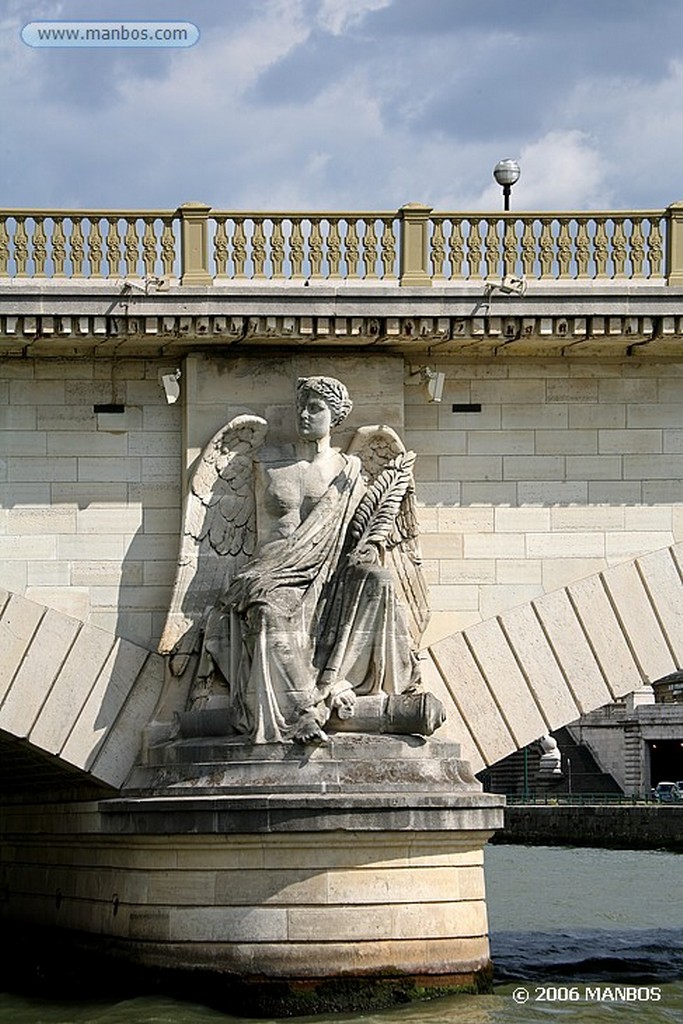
(77, 699)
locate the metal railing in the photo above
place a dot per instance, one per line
(196, 245)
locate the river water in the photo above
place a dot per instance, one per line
(579, 936)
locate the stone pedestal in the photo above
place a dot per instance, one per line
(270, 880)
(340, 876)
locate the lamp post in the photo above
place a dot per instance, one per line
(506, 173)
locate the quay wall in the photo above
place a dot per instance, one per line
(622, 826)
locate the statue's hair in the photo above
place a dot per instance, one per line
(334, 393)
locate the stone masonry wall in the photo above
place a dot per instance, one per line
(90, 502)
(569, 467)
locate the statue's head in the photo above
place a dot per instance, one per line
(331, 390)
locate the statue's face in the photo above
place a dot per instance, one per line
(314, 416)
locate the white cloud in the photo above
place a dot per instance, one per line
(336, 16)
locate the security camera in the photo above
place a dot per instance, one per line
(434, 381)
(169, 382)
(510, 285)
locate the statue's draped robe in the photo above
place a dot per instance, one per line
(299, 611)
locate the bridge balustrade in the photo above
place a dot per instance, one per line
(413, 246)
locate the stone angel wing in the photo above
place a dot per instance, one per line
(219, 532)
(386, 518)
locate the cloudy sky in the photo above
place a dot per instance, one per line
(357, 104)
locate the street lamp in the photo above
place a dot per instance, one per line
(506, 173)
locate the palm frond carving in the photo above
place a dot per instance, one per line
(373, 527)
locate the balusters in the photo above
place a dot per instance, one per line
(388, 248)
(239, 247)
(4, 247)
(456, 245)
(277, 248)
(509, 247)
(600, 247)
(333, 247)
(583, 247)
(352, 249)
(149, 247)
(491, 247)
(113, 246)
(39, 247)
(528, 249)
(315, 248)
(220, 248)
(546, 247)
(95, 254)
(438, 249)
(258, 248)
(131, 247)
(564, 248)
(77, 247)
(168, 247)
(619, 248)
(20, 246)
(296, 248)
(637, 248)
(58, 246)
(655, 248)
(474, 249)
(369, 250)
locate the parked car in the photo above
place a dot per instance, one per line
(667, 792)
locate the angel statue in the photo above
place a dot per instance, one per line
(299, 588)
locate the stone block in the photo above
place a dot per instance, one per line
(571, 648)
(26, 443)
(470, 467)
(36, 392)
(73, 442)
(497, 663)
(497, 442)
(579, 390)
(522, 520)
(72, 601)
(662, 414)
(508, 392)
(541, 669)
(560, 572)
(535, 417)
(28, 547)
(104, 704)
(535, 467)
(663, 583)
(601, 518)
(466, 520)
(45, 521)
(605, 635)
(33, 679)
(120, 747)
(71, 688)
(629, 544)
(474, 699)
(489, 493)
(566, 442)
(568, 545)
(587, 417)
(594, 467)
(495, 600)
(57, 469)
(108, 470)
(630, 442)
(435, 442)
(19, 620)
(552, 492)
(672, 441)
(638, 619)
(494, 545)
